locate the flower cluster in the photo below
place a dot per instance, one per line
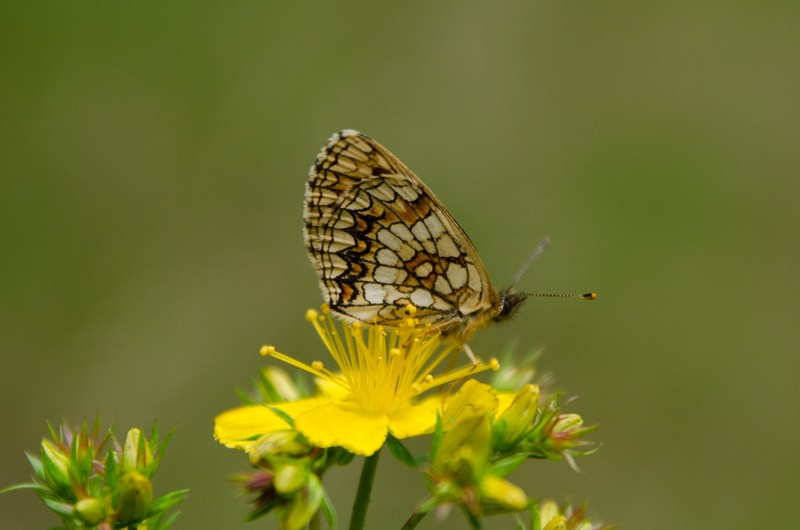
(89, 490)
(377, 395)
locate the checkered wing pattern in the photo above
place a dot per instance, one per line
(379, 239)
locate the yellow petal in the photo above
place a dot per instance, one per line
(413, 420)
(333, 425)
(504, 401)
(238, 428)
(331, 389)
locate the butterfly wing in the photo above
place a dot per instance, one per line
(379, 239)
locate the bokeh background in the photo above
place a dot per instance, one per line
(153, 161)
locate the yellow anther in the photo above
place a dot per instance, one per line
(411, 310)
(495, 364)
(395, 352)
(311, 315)
(317, 365)
(428, 378)
(326, 308)
(266, 351)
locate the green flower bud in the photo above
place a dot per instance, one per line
(291, 477)
(499, 495)
(278, 443)
(464, 450)
(90, 511)
(303, 506)
(55, 467)
(285, 388)
(567, 422)
(134, 496)
(517, 420)
(556, 523)
(136, 454)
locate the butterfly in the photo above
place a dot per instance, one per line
(379, 240)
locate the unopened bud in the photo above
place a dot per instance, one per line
(56, 466)
(136, 454)
(303, 506)
(90, 511)
(290, 477)
(278, 443)
(499, 495)
(517, 420)
(135, 494)
(567, 422)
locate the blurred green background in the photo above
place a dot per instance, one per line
(153, 163)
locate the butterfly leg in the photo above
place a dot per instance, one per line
(470, 354)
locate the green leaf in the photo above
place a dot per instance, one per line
(400, 452)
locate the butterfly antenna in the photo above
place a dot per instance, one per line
(584, 296)
(535, 254)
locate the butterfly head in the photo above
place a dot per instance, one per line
(508, 304)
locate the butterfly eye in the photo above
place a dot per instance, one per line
(509, 304)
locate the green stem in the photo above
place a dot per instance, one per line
(359, 515)
(414, 520)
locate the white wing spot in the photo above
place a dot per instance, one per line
(434, 225)
(442, 286)
(387, 257)
(402, 231)
(360, 202)
(374, 293)
(456, 275)
(383, 193)
(408, 192)
(421, 298)
(390, 275)
(447, 247)
(474, 278)
(424, 270)
(389, 239)
(420, 231)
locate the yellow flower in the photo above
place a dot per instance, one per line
(381, 373)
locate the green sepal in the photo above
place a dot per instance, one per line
(285, 417)
(36, 464)
(400, 452)
(61, 508)
(536, 517)
(27, 486)
(57, 481)
(506, 465)
(269, 394)
(112, 473)
(328, 511)
(438, 432)
(263, 510)
(165, 502)
(343, 456)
